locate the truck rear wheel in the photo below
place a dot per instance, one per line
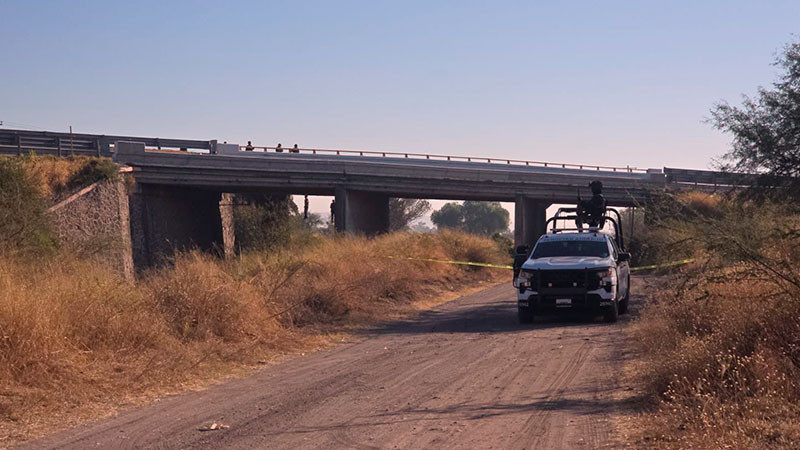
(524, 314)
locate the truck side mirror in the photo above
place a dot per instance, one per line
(624, 256)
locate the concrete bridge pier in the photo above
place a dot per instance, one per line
(361, 212)
(165, 219)
(530, 218)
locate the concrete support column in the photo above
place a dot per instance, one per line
(530, 217)
(361, 212)
(166, 219)
(226, 211)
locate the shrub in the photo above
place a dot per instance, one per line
(23, 222)
(200, 301)
(263, 222)
(96, 169)
(721, 345)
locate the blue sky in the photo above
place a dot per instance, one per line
(617, 82)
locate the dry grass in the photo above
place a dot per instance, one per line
(703, 203)
(54, 176)
(720, 344)
(76, 338)
(721, 366)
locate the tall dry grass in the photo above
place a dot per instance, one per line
(56, 176)
(720, 343)
(74, 334)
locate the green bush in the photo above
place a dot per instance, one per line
(23, 221)
(95, 170)
(263, 222)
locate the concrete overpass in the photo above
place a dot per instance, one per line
(180, 191)
(183, 195)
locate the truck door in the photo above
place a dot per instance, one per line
(623, 269)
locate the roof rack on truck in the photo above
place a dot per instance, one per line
(571, 214)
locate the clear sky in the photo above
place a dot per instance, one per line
(613, 82)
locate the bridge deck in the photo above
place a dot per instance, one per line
(322, 174)
(432, 175)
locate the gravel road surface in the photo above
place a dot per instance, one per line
(463, 375)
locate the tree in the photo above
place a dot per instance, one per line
(484, 218)
(263, 222)
(451, 215)
(766, 129)
(403, 211)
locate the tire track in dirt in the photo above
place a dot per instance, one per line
(538, 424)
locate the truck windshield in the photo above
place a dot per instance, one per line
(570, 248)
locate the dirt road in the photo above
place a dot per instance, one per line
(464, 375)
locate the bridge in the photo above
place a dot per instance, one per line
(182, 183)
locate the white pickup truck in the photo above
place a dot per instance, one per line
(574, 271)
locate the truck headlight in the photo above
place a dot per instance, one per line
(528, 278)
(605, 273)
(606, 278)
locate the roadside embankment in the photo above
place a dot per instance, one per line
(77, 339)
(719, 343)
(48, 203)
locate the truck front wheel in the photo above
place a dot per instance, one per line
(623, 304)
(612, 313)
(524, 314)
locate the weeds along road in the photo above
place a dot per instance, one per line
(463, 375)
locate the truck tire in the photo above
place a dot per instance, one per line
(623, 304)
(612, 313)
(524, 314)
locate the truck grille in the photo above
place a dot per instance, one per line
(569, 279)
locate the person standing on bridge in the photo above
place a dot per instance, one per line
(294, 149)
(249, 147)
(279, 149)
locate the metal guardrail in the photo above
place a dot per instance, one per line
(707, 177)
(439, 157)
(20, 142)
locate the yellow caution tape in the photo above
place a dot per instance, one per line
(501, 266)
(658, 266)
(464, 263)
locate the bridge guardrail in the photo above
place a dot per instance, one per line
(440, 157)
(19, 142)
(707, 177)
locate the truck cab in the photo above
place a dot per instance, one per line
(575, 270)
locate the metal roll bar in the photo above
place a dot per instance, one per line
(560, 215)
